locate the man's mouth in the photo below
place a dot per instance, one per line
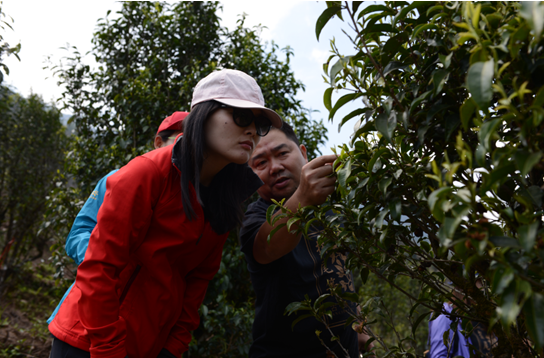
(281, 183)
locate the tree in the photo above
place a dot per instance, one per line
(31, 152)
(442, 182)
(149, 58)
(5, 48)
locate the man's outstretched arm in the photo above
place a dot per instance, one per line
(316, 184)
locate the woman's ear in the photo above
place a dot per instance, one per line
(158, 143)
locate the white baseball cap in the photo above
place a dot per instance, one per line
(235, 89)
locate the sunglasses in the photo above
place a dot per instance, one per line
(243, 117)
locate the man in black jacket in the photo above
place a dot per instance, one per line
(289, 266)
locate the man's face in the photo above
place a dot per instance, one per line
(278, 161)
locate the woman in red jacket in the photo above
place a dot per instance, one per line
(161, 230)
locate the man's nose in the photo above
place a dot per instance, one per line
(275, 167)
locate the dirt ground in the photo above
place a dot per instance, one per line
(18, 336)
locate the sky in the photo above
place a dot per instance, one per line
(44, 28)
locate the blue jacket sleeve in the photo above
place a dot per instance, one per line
(78, 239)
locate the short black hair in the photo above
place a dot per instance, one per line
(166, 134)
(289, 132)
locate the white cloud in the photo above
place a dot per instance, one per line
(320, 56)
(266, 13)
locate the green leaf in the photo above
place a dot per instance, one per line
(395, 208)
(533, 12)
(270, 212)
(364, 274)
(436, 8)
(525, 161)
(327, 98)
(352, 114)
(487, 130)
(344, 173)
(335, 69)
(379, 219)
(355, 6)
(404, 12)
(309, 225)
(539, 98)
(386, 125)
(439, 78)
(496, 175)
(504, 241)
(437, 194)
(446, 60)
(466, 112)
(536, 195)
(509, 308)
(342, 101)
(374, 8)
(501, 279)
(418, 100)
(324, 18)
(479, 78)
(300, 318)
(373, 28)
(527, 235)
(274, 230)
(447, 230)
(384, 183)
(418, 321)
(534, 319)
(375, 157)
(290, 222)
(423, 27)
(393, 65)
(394, 44)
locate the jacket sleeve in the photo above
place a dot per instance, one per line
(436, 333)
(196, 284)
(123, 221)
(78, 239)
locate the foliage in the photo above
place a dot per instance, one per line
(25, 308)
(442, 181)
(5, 48)
(31, 152)
(149, 58)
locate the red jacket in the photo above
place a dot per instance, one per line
(146, 269)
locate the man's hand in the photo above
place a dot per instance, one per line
(316, 184)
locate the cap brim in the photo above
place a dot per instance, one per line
(274, 118)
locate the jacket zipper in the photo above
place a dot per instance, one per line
(129, 283)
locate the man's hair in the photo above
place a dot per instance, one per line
(289, 132)
(166, 134)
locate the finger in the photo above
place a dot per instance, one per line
(323, 171)
(322, 160)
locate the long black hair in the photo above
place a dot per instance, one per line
(228, 188)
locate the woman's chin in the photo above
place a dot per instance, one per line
(241, 159)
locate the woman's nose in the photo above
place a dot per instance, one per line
(251, 129)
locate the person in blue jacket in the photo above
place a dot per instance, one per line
(78, 238)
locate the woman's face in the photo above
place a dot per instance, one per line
(226, 142)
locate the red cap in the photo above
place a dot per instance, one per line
(173, 122)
